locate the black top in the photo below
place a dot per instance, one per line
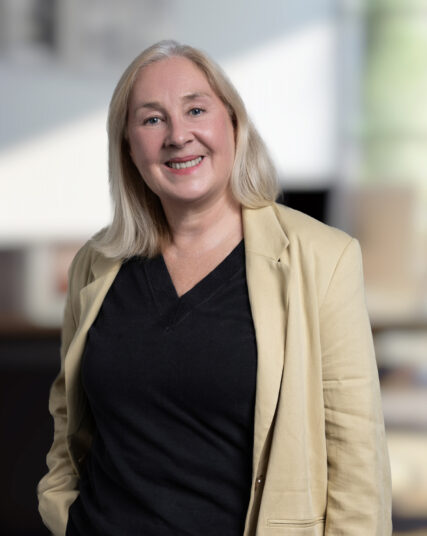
(171, 385)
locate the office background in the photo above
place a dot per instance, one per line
(338, 89)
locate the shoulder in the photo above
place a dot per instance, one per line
(320, 251)
(81, 264)
(271, 229)
(309, 233)
(87, 265)
(81, 269)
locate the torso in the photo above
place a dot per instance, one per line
(171, 385)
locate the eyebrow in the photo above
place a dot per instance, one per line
(196, 95)
(155, 105)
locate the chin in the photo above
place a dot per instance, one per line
(192, 194)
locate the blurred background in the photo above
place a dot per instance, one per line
(338, 89)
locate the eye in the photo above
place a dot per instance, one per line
(151, 120)
(196, 112)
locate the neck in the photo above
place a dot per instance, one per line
(198, 229)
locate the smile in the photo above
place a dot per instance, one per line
(183, 165)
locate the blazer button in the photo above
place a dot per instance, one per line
(259, 481)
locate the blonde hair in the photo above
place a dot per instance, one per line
(139, 224)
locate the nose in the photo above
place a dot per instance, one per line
(178, 133)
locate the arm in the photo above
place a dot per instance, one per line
(58, 489)
(359, 484)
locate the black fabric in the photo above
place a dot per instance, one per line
(171, 385)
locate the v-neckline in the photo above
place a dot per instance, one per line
(164, 292)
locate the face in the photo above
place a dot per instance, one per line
(180, 133)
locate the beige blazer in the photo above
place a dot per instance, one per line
(320, 462)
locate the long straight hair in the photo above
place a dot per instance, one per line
(139, 224)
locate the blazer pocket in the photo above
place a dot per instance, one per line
(295, 523)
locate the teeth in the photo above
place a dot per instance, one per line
(182, 165)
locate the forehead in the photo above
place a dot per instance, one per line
(168, 77)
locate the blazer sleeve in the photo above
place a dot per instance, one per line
(58, 489)
(359, 482)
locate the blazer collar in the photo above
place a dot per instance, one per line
(263, 232)
(102, 265)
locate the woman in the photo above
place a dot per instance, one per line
(218, 374)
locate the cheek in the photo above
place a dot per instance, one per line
(220, 135)
(142, 150)
(228, 139)
(228, 145)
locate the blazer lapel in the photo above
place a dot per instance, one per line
(267, 272)
(91, 297)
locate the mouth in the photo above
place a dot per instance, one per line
(184, 163)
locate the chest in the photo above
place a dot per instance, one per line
(200, 345)
(188, 269)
